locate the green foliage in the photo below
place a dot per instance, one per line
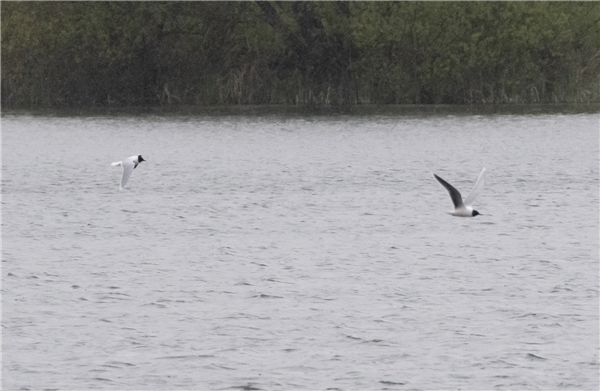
(339, 53)
(479, 52)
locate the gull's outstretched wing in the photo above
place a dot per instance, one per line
(128, 167)
(476, 189)
(454, 194)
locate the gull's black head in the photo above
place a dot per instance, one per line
(140, 159)
(475, 213)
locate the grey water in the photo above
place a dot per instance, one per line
(284, 252)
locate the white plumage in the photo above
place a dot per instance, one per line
(128, 165)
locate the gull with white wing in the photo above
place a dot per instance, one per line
(128, 165)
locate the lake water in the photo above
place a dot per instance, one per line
(280, 252)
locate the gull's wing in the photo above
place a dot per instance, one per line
(128, 167)
(476, 189)
(454, 194)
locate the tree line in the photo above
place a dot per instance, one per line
(121, 53)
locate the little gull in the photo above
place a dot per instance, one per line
(463, 209)
(128, 165)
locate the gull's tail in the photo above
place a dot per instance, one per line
(116, 164)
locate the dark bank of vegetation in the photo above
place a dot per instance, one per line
(122, 54)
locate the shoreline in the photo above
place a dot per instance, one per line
(296, 110)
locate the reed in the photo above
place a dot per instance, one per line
(79, 54)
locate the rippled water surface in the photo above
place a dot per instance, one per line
(281, 252)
